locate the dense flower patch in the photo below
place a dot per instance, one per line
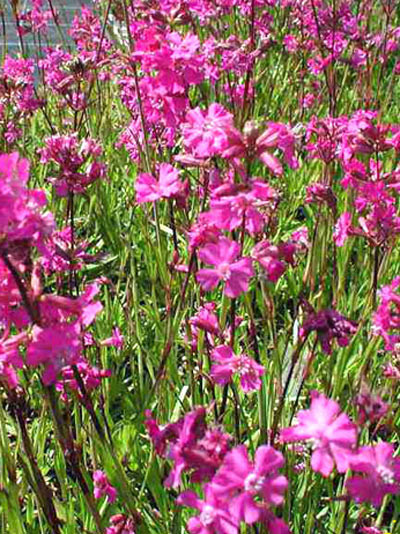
(199, 260)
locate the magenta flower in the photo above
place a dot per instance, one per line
(381, 474)
(84, 308)
(103, 487)
(56, 347)
(214, 517)
(329, 325)
(202, 232)
(59, 255)
(116, 340)
(228, 364)
(242, 483)
(262, 145)
(77, 160)
(235, 274)
(168, 185)
(332, 433)
(21, 219)
(193, 428)
(277, 135)
(371, 408)
(206, 133)
(10, 358)
(342, 229)
(206, 320)
(207, 456)
(121, 524)
(161, 437)
(90, 376)
(190, 445)
(272, 258)
(233, 205)
(386, 319)
(274, 524)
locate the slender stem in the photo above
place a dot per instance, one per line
(173, 225)
(295, 357)
(233, 323)
(138, 92)
(45, 494)
(375, 276)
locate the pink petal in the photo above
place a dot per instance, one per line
(208, 278)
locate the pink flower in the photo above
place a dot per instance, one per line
(270, 259)
(205, 319)
(214, 517)
(381, 474)
(229, 364)
(121, 524)
(90, 376)
(103, 487)
(277, 135)
(73, 156)
(161, 437)
(386, 319)
(342, 229)
(192, 429)
(300, 238)
(206, 134)
(84, 308)
(242, 483)
(35, 19)
(273, 258)
(253, 144)
(371, 408)
(235, 274)
(208, 454)
(10, 359)
(60, 256)
(321, 194)
(323, 137)
(274, 524)
(190, 445)
(291, 43)
(202, 232)
(332, 433)
(55, 347)
(233, 205)
(168, 185)
(363, 136)
(21, 220)
(116, 340)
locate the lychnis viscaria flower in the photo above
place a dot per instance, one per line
(331, 433)
(228, 364)
(235, 273)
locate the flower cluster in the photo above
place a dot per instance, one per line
(334, 442)
(235, 489)
(102, 487)
(386, 320)
(252, 196)
(71, 155)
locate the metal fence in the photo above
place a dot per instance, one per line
(9, 40)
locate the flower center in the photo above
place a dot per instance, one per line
(224, 269)
(253, 483)
(207, 515)
(386, 474)
(243, 367)
(210, 124)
